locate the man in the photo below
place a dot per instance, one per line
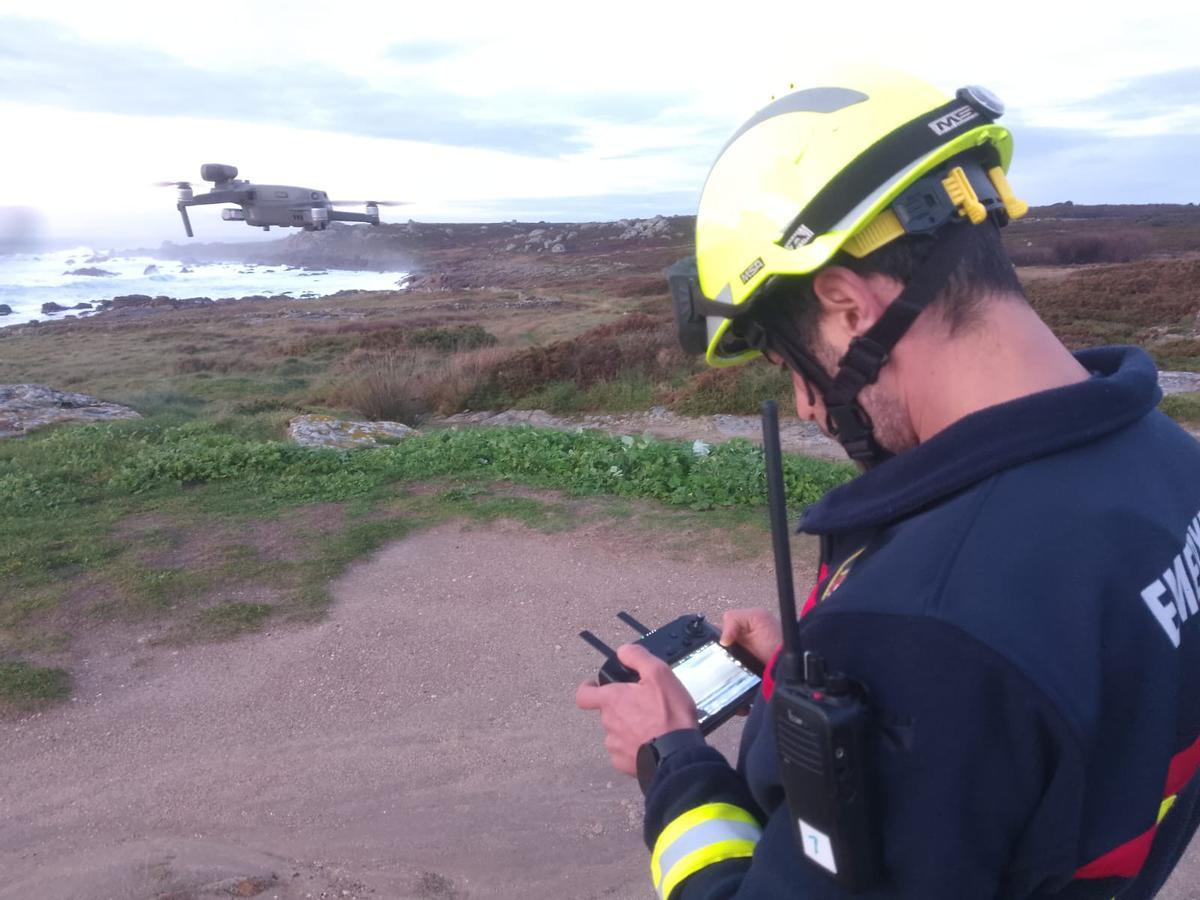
(1014, 577)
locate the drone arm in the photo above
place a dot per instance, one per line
(217, 197)
(336, 215)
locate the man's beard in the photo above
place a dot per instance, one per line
(892, 428)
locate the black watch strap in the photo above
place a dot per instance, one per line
(652, 753)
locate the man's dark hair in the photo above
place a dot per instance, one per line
(984, 269)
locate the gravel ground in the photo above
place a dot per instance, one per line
(422, 742)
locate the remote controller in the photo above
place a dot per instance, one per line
(721, 680)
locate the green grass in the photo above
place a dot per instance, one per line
(630, 392)
(1182, 407)
(453, 338)
(25, 687)
(230, 619)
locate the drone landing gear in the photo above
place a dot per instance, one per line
(187, 225)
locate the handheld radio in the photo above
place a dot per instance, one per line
(822, 725)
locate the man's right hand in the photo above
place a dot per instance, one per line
(756, 631)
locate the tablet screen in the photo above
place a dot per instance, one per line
(714, 678)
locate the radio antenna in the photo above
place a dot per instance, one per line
(777, 504)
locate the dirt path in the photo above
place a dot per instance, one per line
(420, 743)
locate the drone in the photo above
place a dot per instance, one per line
(264, 205)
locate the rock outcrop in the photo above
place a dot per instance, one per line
(132, 302)
(326, 431)
(1179, 382)
(24, 407)
(5, 309)
(92, 272)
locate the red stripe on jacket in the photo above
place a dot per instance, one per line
(1127, 860)
(768, 679)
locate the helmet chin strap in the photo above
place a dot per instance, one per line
(846, 420)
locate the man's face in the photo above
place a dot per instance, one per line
(828, 342)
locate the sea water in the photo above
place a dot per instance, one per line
(28, 280)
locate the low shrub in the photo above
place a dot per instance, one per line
(637, 286)
(452, 340)
(1128, 304)
(1179, 354)
(389, 386)
(626, 393)
(216, 362)
(736, 391)
(1126, 245)
(467, 380)
(348, 337)
(633, 344)
(1028, 253)
(167, 403)
(1081, 247)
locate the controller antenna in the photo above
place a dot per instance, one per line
(791, 660)
(633, 623)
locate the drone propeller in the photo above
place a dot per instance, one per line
(370, 202)
(177, 184)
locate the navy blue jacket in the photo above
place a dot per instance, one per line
(1019, 593)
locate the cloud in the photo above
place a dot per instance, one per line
(1152, 95)
(592, 208)
(1086, 166)
(419, 52)
(46, 65)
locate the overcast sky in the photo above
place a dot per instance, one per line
(559, 111)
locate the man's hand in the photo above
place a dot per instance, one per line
(757, 631)
(633, 714)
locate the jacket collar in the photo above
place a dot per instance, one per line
(1123, 388)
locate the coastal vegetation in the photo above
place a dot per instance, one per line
(199, 522)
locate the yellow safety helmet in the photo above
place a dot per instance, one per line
(827, 169)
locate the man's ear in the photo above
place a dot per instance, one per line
(852, 303)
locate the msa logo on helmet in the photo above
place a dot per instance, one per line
(751, 270)
(952, 120)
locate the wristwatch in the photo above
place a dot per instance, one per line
(652, 753)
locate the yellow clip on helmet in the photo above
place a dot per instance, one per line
(817, 171)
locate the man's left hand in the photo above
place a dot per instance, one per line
(634, 713)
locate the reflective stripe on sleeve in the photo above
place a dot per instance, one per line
(700, 837)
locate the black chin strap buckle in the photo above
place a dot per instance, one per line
(848, 422)
(852, 428)
(863, 360)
